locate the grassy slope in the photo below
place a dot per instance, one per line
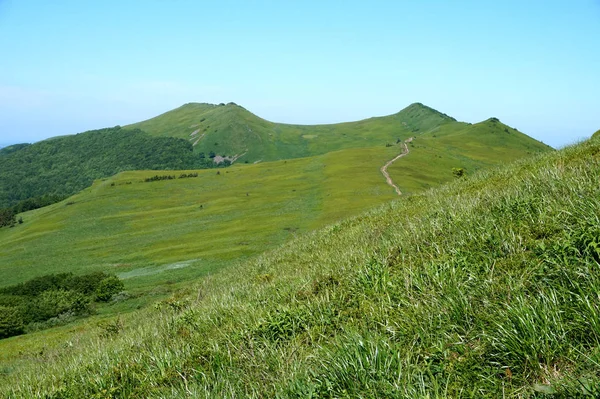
(232, 130)
(483, 288)
(141, 229)
(473, 147)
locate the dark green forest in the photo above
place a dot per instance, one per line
(62, 166)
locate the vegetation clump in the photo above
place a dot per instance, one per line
(52, 300)
(159, 178)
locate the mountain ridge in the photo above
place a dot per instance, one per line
(230, 130)
(216, 135)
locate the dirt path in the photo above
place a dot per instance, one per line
(384, 171)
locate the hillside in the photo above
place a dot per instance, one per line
(62, 166)
(230, 130)
(483, 288)
(12, 148)
(65, 165)
(135, 228)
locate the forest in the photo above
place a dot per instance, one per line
(37, 174)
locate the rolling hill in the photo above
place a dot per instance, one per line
(62, 166)
(131, 227)
(230, 130)
(486, 287)
(160, 230)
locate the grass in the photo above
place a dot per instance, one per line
(172, 231)
(487, 287)
(232, 130)
(190, 226)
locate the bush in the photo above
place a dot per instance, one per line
(11, 322)
(54, 299)
(108, 287)
(458, 172)
(52, 303)
(7, 217)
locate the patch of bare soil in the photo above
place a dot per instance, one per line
(384, 168)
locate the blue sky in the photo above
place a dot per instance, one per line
(77, 65)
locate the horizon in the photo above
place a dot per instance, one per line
(79, 67)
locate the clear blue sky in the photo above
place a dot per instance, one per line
(71, 66)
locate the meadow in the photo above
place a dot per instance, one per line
(164, 232)
(486, 287)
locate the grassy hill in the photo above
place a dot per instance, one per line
(141, 229)
(231, 130)
(64, 165)
(487, 287)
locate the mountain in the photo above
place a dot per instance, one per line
(597, 134)
(485, 287)
(222, 134)
(183, 220)
(232, 131)
(12, 148)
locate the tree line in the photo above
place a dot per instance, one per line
(59, 167)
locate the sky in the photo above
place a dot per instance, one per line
(72, 66)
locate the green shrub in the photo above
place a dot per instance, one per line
(458, 172)
(108, 287)
(11, 322)
(55, 302)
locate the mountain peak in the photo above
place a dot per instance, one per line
(422, 108)
(493, 120)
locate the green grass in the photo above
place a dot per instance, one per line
(174, 230)
(188, 227)
(487, 287)
(232, 130)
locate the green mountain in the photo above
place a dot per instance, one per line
(64, 165)
(221, 134)
(126, 224)
(232, 131)
(487, 287)
(597, 134)
(12, 148)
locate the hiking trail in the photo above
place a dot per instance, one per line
(384, 168)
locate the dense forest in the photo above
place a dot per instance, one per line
(62, 166)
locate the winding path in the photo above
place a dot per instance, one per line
(384, 171)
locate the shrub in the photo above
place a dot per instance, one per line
(458, 172)
(11, 323)
(52, 303)
(108, 287)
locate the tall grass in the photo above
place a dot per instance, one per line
(488, 287)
